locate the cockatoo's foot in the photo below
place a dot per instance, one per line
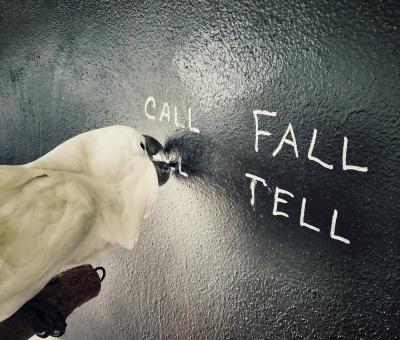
(45, 319)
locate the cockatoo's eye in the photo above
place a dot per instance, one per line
(142, 145)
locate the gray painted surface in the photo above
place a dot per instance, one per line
(208, 265)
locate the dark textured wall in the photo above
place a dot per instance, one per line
(208, 265)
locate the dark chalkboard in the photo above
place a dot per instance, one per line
(286, 117)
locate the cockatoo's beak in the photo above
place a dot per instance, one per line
(159, 158)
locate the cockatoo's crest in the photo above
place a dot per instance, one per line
(107, 153)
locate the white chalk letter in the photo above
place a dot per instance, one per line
(333, 227)
(177, 124)
(254, 180)
(277, 199)
(148, 101)
(182, 173)
(302, 223)
(165, 112)
(287, 141)
(193, 129)
(256, 113)
(344, 160)
(315, 159)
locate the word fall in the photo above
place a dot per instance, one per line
(293, 143)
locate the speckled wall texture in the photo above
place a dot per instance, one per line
(209, 264)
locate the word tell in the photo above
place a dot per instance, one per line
(279, 200)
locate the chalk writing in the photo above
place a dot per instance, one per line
(311, 149)
(289, 138)
(254, 180)
(259, 132)
(278, 199)
(150, 110)
(162, 111)
(292, 142)
(344, 160)
(182, 173)
(302, 223)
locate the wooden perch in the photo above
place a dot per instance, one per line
(65, 292)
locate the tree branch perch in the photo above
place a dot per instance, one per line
(65, 292)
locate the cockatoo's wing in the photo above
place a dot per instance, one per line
(44, 215)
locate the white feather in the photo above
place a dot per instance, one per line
(85, 197)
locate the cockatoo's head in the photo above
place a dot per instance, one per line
(109, 153)
(124, 146)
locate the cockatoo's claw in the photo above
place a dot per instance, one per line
(46, 319)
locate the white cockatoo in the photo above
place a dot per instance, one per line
(86, 196)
